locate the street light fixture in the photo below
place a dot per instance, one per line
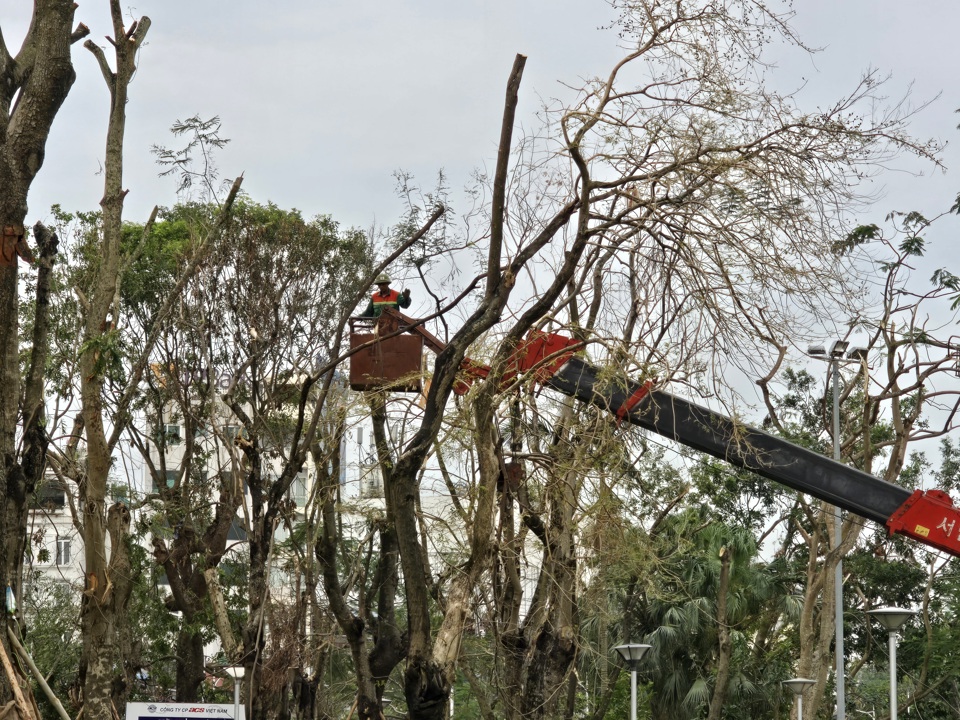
(892, 619)
(835, 357)
(798, 686)
(632, 653)
(236, 672)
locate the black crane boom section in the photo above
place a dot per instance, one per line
(740, 445)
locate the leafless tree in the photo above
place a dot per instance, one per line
(698, 206)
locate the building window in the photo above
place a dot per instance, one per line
(298, 490)
(171, 434)
(371, 485)
(50, 495)
(63, 551)
(171, 478)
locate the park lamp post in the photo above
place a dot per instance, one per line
(236, 672)
(835, 357)
(632, 653)
(892, 619)
(798, 686)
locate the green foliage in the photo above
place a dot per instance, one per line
(203, 140)
(911, 221)
(107, 353)
(946, 280)
(155, 640)
(801, 411)
(912, 245)
(948, 474)
(620, 702)
(678, 615)
(423, 254)
(158, 259)
(52, 637)
(858, 236)
(281, 275)
(734, 496)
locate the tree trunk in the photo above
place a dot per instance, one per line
(22, 476)
(191, 566)
(218, 607)
(259, 540)
(554, 635)
(426, 681)
(39, 77)
(722, 681)
(816, 619)
(104, 606)
(190, 670)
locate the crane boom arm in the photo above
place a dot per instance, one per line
(928, 516)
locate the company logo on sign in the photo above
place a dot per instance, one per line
(154, 711)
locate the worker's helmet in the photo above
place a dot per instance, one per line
(382, 278)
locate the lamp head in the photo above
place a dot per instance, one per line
(798, 685)
(838, 348)
(892, 618)
(632, 652)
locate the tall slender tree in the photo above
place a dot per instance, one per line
(34, 83)
(108, 576)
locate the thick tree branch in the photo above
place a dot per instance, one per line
(499, 202)
(81, 32)
(108, 75)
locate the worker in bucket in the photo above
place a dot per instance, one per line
(384, 297)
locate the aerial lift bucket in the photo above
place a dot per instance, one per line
(383, 360)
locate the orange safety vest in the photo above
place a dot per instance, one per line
(391, 299)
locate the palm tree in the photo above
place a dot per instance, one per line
(701, 619)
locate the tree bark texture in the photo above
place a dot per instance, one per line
(23, 474)
(551, 628)
(816, 627)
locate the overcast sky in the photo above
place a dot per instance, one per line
(324, 101)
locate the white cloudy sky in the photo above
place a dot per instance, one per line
(323, 101)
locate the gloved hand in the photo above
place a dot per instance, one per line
(406, 293)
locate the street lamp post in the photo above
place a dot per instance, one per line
(834, 357)
(236, 672)
(798, 686)
(892, 619)
(632, 653)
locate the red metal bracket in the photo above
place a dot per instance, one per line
(543, 353)
(930, 517)
(472, 370)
